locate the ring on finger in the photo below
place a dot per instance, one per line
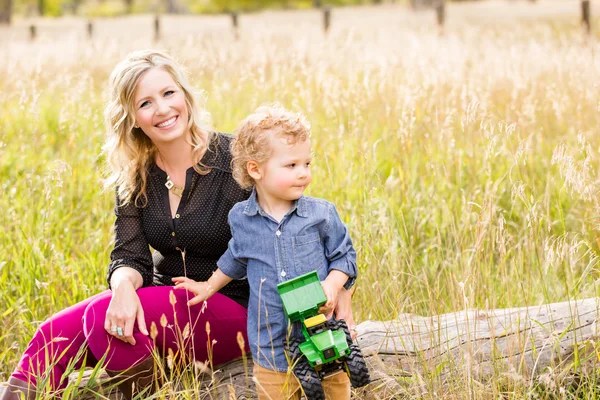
(120, 331)
(113, 329)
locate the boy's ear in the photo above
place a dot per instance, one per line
(253, 171)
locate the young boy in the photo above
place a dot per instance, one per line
(279, 234)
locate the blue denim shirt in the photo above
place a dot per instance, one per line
(309, 237)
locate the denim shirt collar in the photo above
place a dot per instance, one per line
(252, 207)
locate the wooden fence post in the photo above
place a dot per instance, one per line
(32, 32)
(585, 16)
(326, 19)
(6, 7)
(440, 13)
(156, 28)
(90, 29)
(234, 24)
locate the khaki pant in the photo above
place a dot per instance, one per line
(274, 385)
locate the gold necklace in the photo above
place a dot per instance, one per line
(173, 188)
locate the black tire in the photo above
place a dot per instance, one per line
(309, 380)
(340, 324)
(357, 367)
(291, 348)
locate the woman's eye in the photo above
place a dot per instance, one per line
(308, 163)
(144, 104)
(169, 92)
(291, 165)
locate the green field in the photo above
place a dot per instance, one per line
(465, 165)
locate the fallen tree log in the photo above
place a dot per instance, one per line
(414, 355)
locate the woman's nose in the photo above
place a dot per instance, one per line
(162, 108)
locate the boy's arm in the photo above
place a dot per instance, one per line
(202, 290)
(339, 251)
(233, 263)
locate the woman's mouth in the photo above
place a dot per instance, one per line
(168, 123)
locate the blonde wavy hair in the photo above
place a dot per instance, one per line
(129, 152)
(253, 136)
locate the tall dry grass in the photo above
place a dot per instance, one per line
(465, 165)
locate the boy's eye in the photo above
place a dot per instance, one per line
(308, 163)
(292, 165)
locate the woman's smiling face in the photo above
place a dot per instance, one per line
(160, 108)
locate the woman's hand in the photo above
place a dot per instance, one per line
(343, 311)
(123, 311)
(202, 290)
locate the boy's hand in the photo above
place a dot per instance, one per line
(331, 286)
(331, 293)
(343, 310)
(202, 290)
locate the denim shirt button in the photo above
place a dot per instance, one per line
(283, 273)
(278, 233)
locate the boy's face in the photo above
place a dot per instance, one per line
(287, 172)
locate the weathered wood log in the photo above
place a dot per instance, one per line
(414, 354)
(473, 345)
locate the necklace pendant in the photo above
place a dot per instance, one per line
(169, 183)
(177, 190)
(173, 188)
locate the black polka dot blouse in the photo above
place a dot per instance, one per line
(199, 228)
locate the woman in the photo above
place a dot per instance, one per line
(174, 191)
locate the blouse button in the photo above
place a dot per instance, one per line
(172, 233)
(176, 215)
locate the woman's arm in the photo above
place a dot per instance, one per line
(125, 307)
(131, 268)
(131, 246)
(126, 275)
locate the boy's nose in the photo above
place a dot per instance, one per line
(303, 173)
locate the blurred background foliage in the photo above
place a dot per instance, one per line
(98, 8)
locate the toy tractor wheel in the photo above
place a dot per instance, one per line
(291, 348)
(357, 368)
(337, 324)
(309, 380)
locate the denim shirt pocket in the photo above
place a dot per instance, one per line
(309, 254)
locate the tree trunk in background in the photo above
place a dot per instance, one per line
(5, 11)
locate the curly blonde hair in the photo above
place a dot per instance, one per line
(129, 152)
(253, 136)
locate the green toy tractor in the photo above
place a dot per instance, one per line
(327, 346)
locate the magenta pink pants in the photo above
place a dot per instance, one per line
(76, 335)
